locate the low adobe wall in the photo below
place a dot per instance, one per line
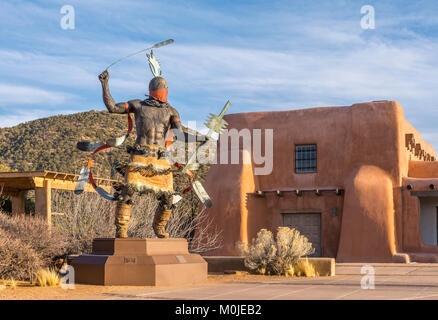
(220, 264)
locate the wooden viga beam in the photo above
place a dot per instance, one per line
(67, 184)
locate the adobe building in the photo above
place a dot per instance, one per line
(359, 181)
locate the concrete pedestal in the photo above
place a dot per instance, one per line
(139, 262)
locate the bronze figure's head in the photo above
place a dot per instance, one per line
(158, 89)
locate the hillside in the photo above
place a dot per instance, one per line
(50, 143)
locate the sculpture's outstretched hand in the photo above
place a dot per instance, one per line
(104, 76)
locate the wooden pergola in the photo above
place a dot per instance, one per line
(16, 184)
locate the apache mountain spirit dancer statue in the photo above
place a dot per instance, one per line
(149, 170)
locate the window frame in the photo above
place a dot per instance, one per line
(296, 154)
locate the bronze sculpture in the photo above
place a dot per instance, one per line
(149, 171)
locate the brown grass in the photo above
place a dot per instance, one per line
(304, 268)
(47, 278)
(12, 283)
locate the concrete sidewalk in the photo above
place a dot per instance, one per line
(392, 281)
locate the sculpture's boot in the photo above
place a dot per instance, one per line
(160, 221)
(123, 213)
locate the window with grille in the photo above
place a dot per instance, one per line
(305, 158)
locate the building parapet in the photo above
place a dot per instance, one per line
(416, 149)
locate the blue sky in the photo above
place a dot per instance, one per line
(275, 55)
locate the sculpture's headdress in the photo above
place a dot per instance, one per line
(158, 85)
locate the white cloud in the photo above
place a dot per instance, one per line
(402, 71)
(377, 70)
(286, 58)
(50, 70)
(19, 96)
(16, 116)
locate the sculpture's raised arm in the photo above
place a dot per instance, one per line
(108, 100)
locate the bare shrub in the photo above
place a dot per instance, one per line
(182, 224)
(268, 256)
(207, 237)
(82, 218)
(30, 233)
(291, 246)
(88, 216)
(17, 259)
(260, 255)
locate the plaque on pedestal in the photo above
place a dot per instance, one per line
(139, 262)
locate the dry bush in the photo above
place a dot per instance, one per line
(26, 245)
(182, 224)
(88, 216)
(208, 237)
(33, 232)
(83, 218)
(261, 254)
(268, 256)
(291, 246)
(17, 259)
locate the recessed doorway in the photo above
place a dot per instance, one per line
(429, 220)
(309, 225)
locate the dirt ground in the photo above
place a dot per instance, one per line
(27, 291)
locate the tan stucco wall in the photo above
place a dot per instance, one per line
(365, 140)
(422, 169)
(367, 232)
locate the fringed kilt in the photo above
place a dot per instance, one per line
(147, 173)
